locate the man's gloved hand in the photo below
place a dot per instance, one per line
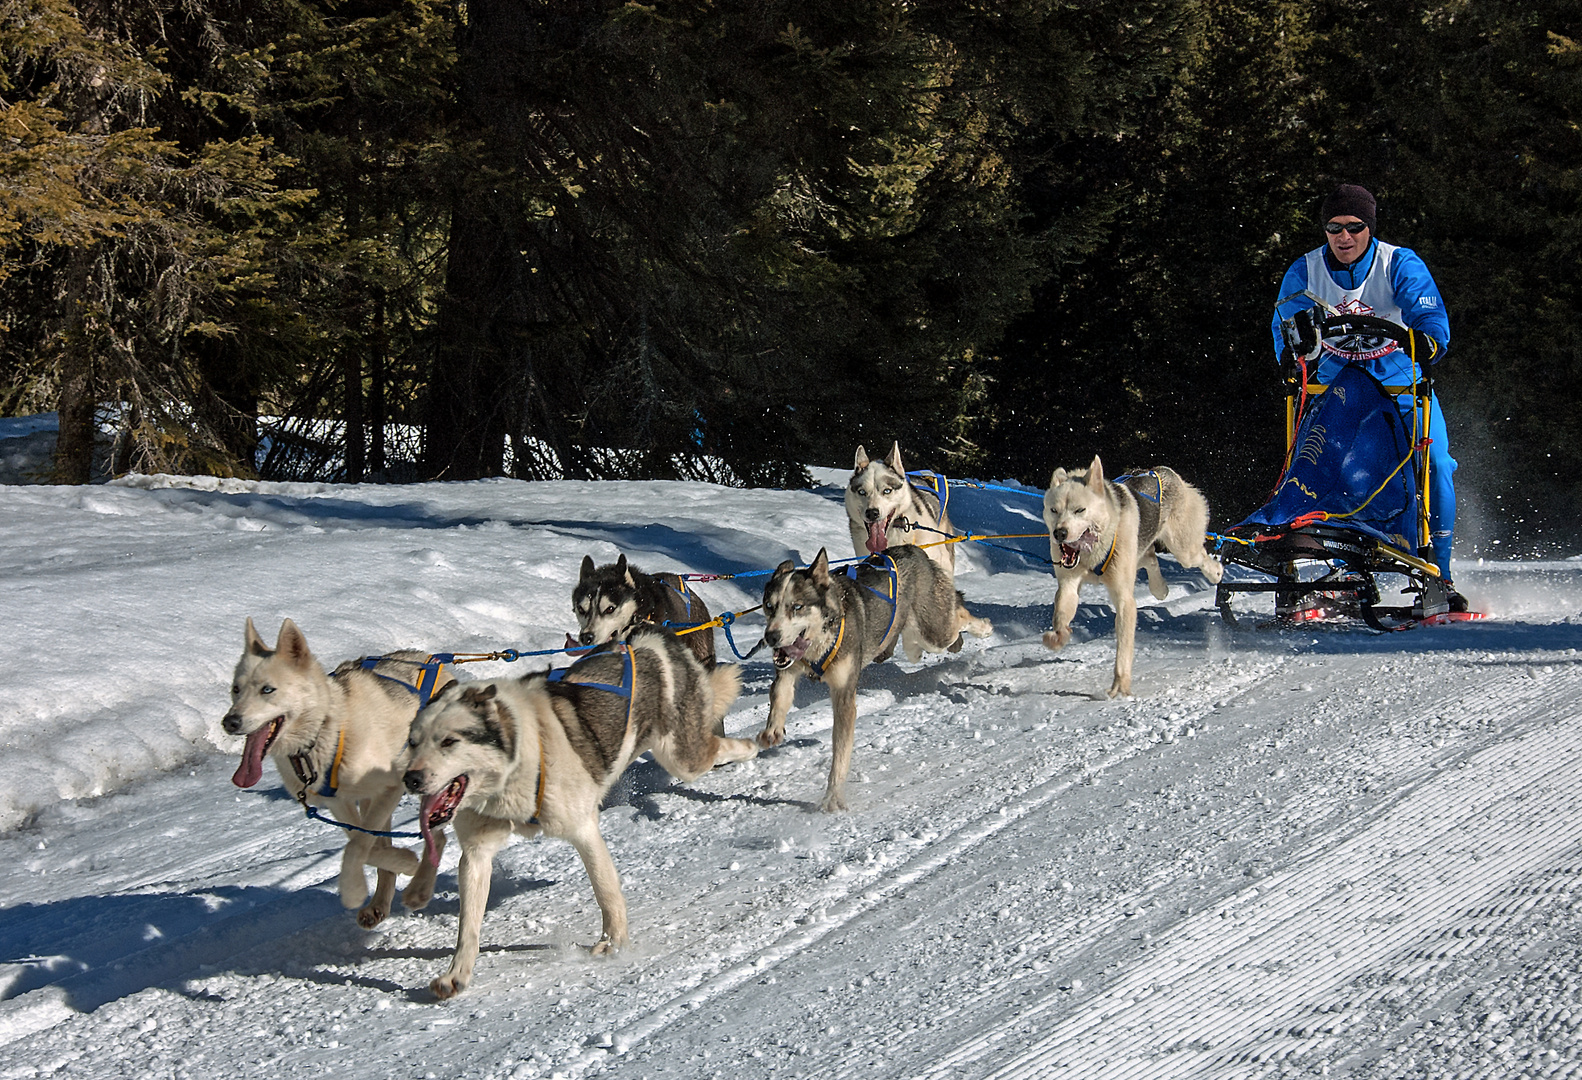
(1309, 334)
(1424, 348)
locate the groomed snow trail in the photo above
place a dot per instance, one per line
(1292, 852)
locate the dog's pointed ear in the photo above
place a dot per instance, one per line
(862, 459)
(894, 460)
(251, 642)
(477, 696)
(1096, 474)
(294, 645)
(1057, 478)
(819, 571)
(785, 567)
(587, 569)
(624, 571)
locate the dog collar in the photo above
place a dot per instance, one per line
(816, 669)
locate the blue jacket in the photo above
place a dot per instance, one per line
(1410, 284)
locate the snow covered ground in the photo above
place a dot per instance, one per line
(1292, 853)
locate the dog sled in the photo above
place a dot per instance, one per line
(1349, 517)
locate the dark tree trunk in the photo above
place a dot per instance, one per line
(469, 388)
(356, 434)
(73, 462)
(377, 346)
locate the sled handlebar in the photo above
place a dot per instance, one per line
(1304, 331)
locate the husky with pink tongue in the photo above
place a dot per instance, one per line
(885, 508)
(538, 754)
(335, 739)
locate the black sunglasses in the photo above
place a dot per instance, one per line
(1353, 227)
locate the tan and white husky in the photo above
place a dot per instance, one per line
(335, 739)
(879, 498)
(1101, 531)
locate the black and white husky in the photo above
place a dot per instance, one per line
(829, 626)
(613, 600)
(538, 754)
(1101, 532)
(881, 500)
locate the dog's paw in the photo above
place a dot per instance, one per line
(417, 894)
(372, 915)
(608, 946)
(354, 888)
(1120, 688)
(1055, 640)
(833, 802)
(729, 750)
(768, 738)
(447, 985)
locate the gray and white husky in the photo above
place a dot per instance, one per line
(1100, 531)
(829, 626)
(335, 739)
(613, 600)
(880, 498)
(538, 754)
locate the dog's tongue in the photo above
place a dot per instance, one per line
(252, 767)
(430, 853)
(794, 651)
(878, 539)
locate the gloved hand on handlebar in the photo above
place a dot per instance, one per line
(1308, 335)
(1423, 347)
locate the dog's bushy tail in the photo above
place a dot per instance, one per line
(725, 683)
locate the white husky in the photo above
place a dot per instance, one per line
(880, 497)
(335, 739)
(1100, 531)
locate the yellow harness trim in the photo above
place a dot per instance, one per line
(840, 635)
(335, 766)
(1104, 564)
(538, 801)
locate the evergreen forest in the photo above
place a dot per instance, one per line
(399, 240)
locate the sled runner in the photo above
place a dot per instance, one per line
(1352, 502)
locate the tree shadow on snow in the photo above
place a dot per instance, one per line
(100, 948)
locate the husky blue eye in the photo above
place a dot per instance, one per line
(267, 690)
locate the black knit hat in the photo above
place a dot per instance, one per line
(1350, 200)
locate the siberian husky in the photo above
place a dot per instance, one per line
(829, 626)
(1099, 531)
(880, 497)
(335, 739)
(613, 600)
(538, 754)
